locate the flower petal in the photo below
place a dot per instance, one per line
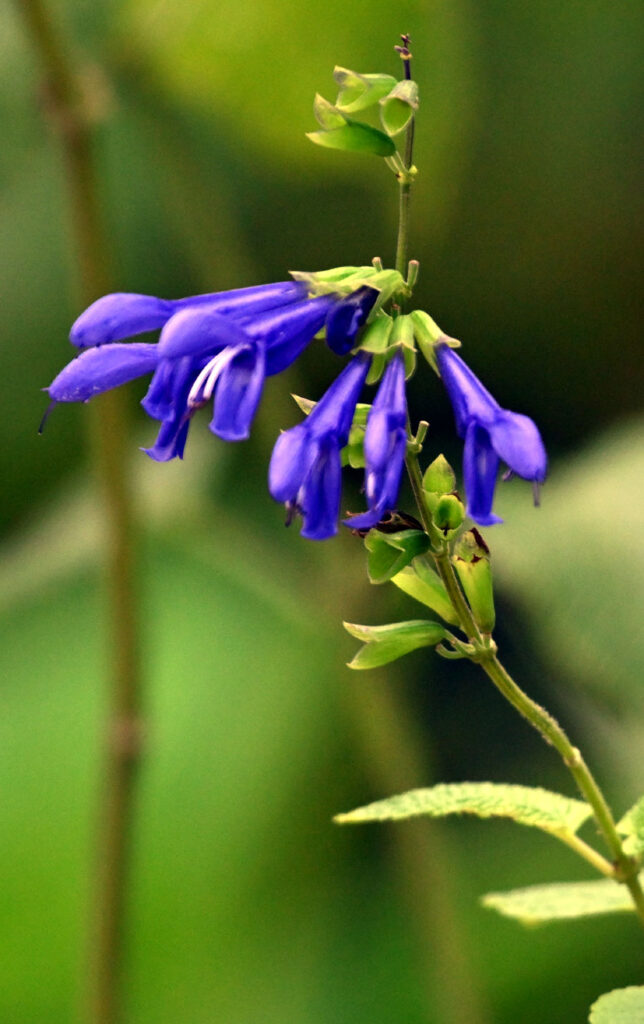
(480, 466)
(470, 400)
(100, 369)
(319, 498)
(200, 330)
(517, 441)
(292, 456)
(286, 336)
(347, 317)
(169, 386)
(124, 314)
(171, 439)
(246, 302)
(237, 394)
(334, 412)
(117, 316)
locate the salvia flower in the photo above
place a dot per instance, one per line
(305, 470)
(491, 434)
(385, 443)
(216, 347)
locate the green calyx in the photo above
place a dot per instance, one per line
(358, 92)
(439, 477)
(472, 563)
(399, 106)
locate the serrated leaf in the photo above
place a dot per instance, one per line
(389, 553)
(383, 644)
(538, 904)
(355, 137)
(632, 826)
(621, 1006)
(424, 585)
(526, 805)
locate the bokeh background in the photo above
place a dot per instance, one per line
(247, 905)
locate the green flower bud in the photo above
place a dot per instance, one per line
(439, 477)
(448, 514)
(472, 563)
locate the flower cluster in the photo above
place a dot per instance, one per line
(220, 347)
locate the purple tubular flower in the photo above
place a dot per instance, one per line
(125, 314)
(491, 434)
(98, 370)
(305, 469)
(218, 346)
(385, 443)
(347, 317)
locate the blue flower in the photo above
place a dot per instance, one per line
(126, 314)
(219, 346)
(385, 444)
(305, 469)
(491, 434)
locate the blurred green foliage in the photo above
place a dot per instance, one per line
(247, 904)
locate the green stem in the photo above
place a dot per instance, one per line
(66, 105)
(623, 868)
(404, 181)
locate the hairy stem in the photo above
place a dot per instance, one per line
(65, 102)
(623, 868)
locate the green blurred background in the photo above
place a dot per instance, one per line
(247, 905)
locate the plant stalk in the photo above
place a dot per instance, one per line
(65, 104)
(404, 180)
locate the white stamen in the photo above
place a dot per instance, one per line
(204, 385)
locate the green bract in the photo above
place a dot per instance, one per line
(421, 582)
(354, 137)
(383, 644)
(357, 92)
(399, 106)
(388, 553)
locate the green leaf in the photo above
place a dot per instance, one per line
(421, 582)
(357, 92)
(526, 805)
(383, 644)
(538, 904)
(621, 1006)
(399, 106)
(632, 826)
(354, 137)
(389, 553)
